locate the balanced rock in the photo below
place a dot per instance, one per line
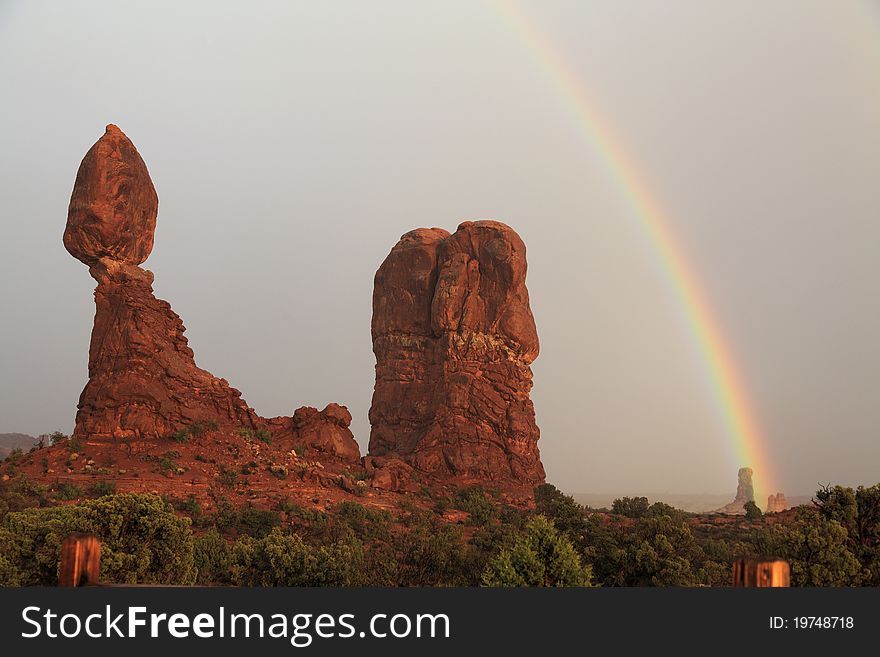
(454, 338)
(112, 213)
(745, 492)
(776, 503)
(143, 380)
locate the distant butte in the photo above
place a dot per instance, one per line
(745, 492)
(776, 503)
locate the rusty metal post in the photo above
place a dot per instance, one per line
(761, 573)
(80, 560)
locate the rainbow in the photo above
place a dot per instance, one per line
(729, 391)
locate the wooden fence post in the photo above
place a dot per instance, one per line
(80, 560)
(761, 573)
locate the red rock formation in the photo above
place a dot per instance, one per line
(143, 380)
(454, 337)
(323, 431)
(390, 474)
(745, 492)
(776, 503)
(112, 213)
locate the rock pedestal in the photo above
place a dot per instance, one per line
(143, 379)
(745, 492)
(454, 338)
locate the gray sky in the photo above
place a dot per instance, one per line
(291, 144)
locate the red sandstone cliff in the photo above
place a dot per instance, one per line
(454, 338)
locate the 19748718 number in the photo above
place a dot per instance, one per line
(823, 622)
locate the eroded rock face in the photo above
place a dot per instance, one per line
(324, 431)
(776, 503)
(454, 338)
(745, 492)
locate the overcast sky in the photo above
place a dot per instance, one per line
(292, 143)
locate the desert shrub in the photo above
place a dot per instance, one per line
(542, 556)
(191, 507)
(858, 511)
(68, 492)
(180, 436)
(662, 509)
(19, 493)
(753, 511)
(715, 573)
(14, 456)
(659, 551)
(817, 549)
(368, 525)
(212, 557)
(246, 521)
(200, 428)
(101, 488)
(9, 574)
(441, 505)
(476, 503)
(194, 430)
(280, 559)
(279, 470)
(142, 540)
(435, 555)
(227, 477)
(57, 437)
(566, 514)
(631, 507)
(380, 566)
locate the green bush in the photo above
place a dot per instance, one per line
(435, 555)
(68, 492)
(368, 525)
(101, 488)
(142, 541)
(566, 514)
(476, 503)
(180, 436)
(191, 507)
(631, 507)
(281, 559)
(817, 549)
(228, 477)
(57, 437)
(212, 556)
(540, 557)
(858, 511)
(246, 521)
